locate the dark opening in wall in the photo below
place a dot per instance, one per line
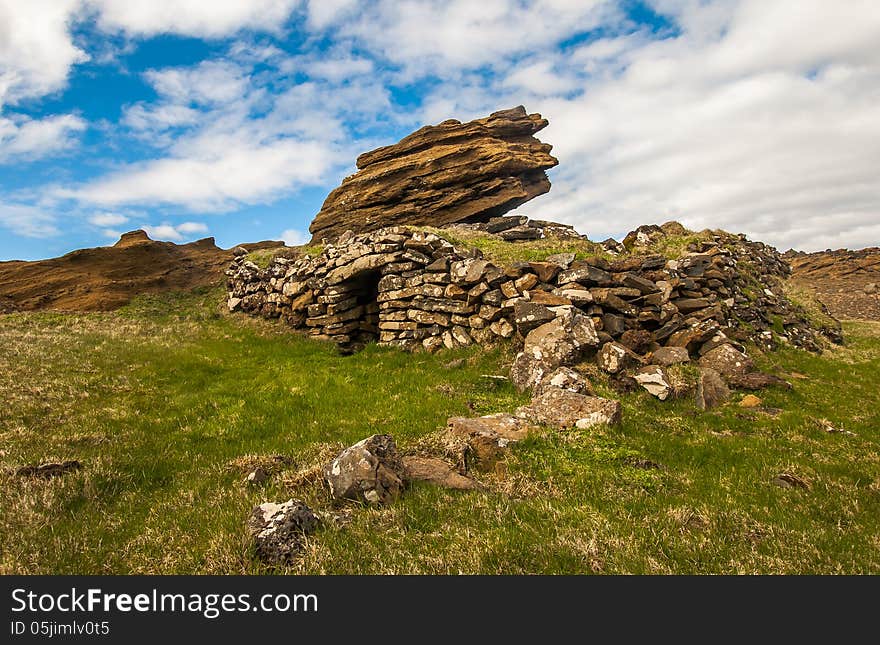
(365, 288)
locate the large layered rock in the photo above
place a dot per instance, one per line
(451, 172)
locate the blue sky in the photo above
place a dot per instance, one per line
(235, 118)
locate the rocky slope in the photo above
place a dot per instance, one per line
(450, 172)
(105, 278)
(847, 282)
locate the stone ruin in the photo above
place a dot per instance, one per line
(633, 311)
(413, 289)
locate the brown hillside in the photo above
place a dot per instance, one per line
(847, 282)
(105, 278)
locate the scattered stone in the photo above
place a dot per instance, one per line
(667, 356)
(257, 476)
(644, 464)
(712, 391)
(566, 379)
(47, 471)
(563, 260)
(750, 401)
(487, 437)
(279, 530)
(870, 288)
(559, 342)
(638, 340)
(563, 409)
(727, 361)
(369, 471)
(613, 358)
(756, 381)
(653, 379)
(788, 480)
(436, 471)
(528, 315)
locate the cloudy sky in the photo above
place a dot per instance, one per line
(234, 118)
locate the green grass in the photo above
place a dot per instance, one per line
(169, 401)
(502, 252)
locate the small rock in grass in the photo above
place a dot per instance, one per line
(278, 530)
(787, 480)
(750, 401)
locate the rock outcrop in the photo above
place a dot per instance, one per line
(451, 172)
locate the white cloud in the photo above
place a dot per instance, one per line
(108, 219)
(725, 125)
(192, 227)
(323, 13)
(219, 180)
(294, 237)
(36, 51)
(24, 138)
(164, 232)
(203, 18)
(209, 82)
(27, 220)
(439, 36)
(174, 233)
(244, 144)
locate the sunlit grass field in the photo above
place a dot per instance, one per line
(169, 402)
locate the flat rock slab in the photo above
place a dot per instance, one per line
(436, 471)
(489, 436)
(47, 471)
(563, 409)
(442, 174)
(727, 361)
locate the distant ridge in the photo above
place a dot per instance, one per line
(105, 278)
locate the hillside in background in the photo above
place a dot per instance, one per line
(845, 281)
(107, 277)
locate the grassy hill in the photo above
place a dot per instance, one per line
(168, 402)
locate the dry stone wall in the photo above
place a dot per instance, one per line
(413, 289)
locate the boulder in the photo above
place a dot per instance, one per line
(613, 358)
(369, 471)
(667, 356)
(488, 437)
(528, 315)
(653, 379)
(436, 471)
(712, 391)
(756, 381)
(727, 361)
(563, 409)
(638, 340)
(566, 379)
(278, 530)
(442, 174)
(561, 341)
